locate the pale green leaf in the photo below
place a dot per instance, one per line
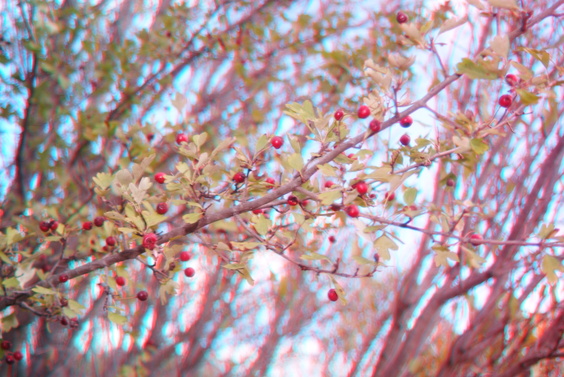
(103, 180)
(452, 23)
(549, 266)
(245, 245)
(540, 55)
(262, 224)
(327, 170)
(44, 291)
(296, 161)
(9, 322)
(500, 45)
(383, 245)
(527, 98)
(364, 261)
(475, 70)
(200, 139)
(192, 218)
(479, 146)
(409, 196)
(315, 256)
(507, 4)
(116, 318)
(477, 3)
(328, 197)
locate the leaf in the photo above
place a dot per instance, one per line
(75, 306)
(153, 218)
(103, 180)
(328, 197)
(500, 45)
(546, 231)
(383, 245)
(192, 218)
(475, 70)
(477, 4)
(542, 56)
(116, 318)
(262, 224)
(124, 177)
(233, 266)
(261, 142)
(507, 4)
(381, 174)
(169, 288)
(527, 98)
(442, 257)
(315, 256)
(9, 322)
(452, 23)
(524, 72)
(200, 139)
(11, 283)
(340, 291)
(223, 145)
(479, 146)
(245, 245)
(327, 170)
(296, 161)
(363, 261)
(474, 260)
(44, 291)
(549, 265)
(409, 196)
(13, 236)
(413, 33)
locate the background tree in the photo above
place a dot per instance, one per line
(185, 196)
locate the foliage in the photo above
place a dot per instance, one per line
(144, 131)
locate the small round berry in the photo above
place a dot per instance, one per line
(332, 295)
(277, 142)
(339, 114)
(160, 178)
(406, 121)
(64, 302)
(63, 278)
(162, 208)
(120, 280)
(390, 196)
(73, 323)
(401, 18)
(332, 239)
(189, 272)
(270, 182)
(184, 256)
(450, 182)
(363, 112)
(99, 221)
(292, 200)
(257, 211)
(505, 100)
(150, 241)
(18, 355)
(361, 187)
(375, 125)
(239, 177)
(54, 225)
(329, 184)
(142, 296)
(475, 239)
(511, 79)
(64, 321)
(405, 139)
(6, 345)
(181, 138)
(111, 241)
(352, 211)
(87, 225)
(9, 359)
(376, 257)
(45, 226)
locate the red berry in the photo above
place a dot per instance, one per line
(18, 355)
(73, 323)
(87, 225)
(99, 221)
(111, 241)
(329, 184)
(292, 200)
(352, 211)
(6, 345)
(270, 182)
(505, 100)
(184, 256)
(120, 280)
(450, 182)
(64, 321)
(277, 142)
(54, 225)
(150, 241)
(361, 187)
(511, 79)
(142, 296)
(181, 138)
(375, 125)
(401, 18)
(390, 196)
(475, 239)
(332, 239)
(162, 208)
(9, 359)
(332, 295)
(257, 211)
(63, 278)
(405, 139)
(160, 178)
(189, 272)
(406, 121)
(45, 226)
(339, 114)
(363, 112)
(239, 177)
